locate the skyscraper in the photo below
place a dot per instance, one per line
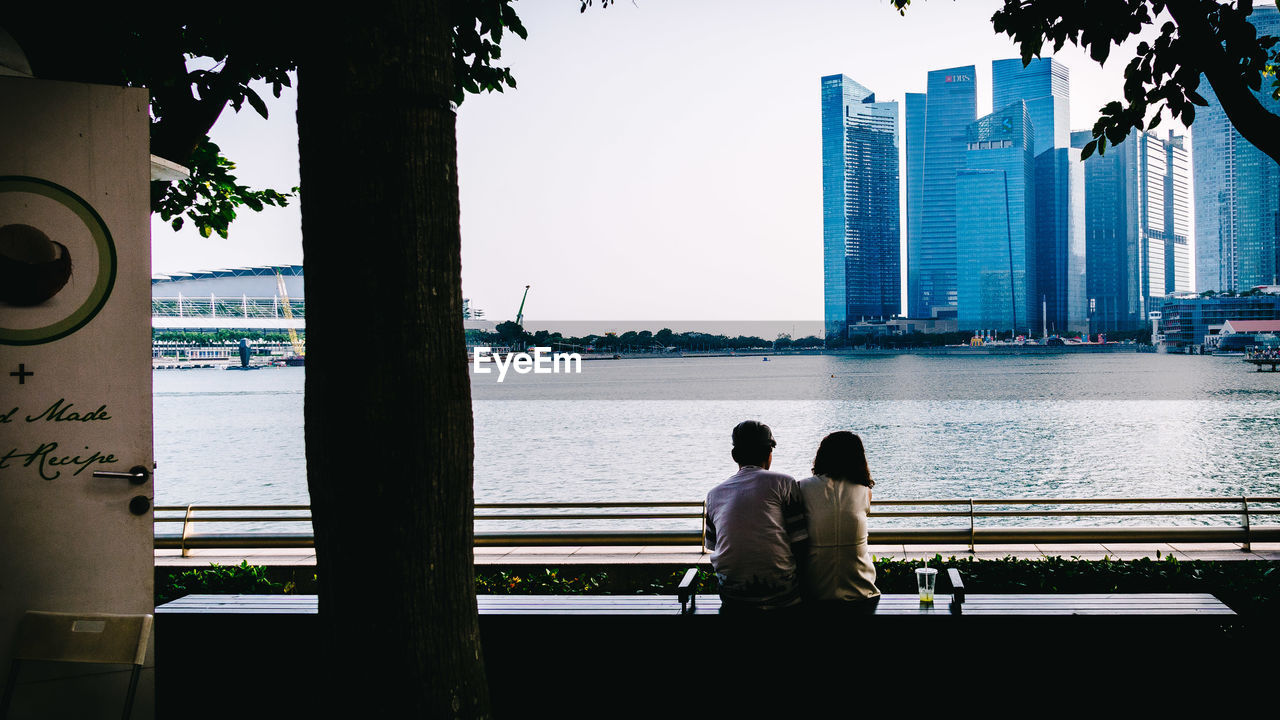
(1045, 85)
(1237, 194)
(949, 108)
(915, 107)
(860, 221)
(995, 223)
(1178, 204)
(1138, 215)
(1059, 248)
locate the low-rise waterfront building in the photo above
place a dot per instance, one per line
(247, 298)
(1245, 334)
(927, 326)
(1187, 322)
(254, 282)
(904, 326)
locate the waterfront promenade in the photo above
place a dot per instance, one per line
(690, 556)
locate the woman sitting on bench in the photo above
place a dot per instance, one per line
(838, 574)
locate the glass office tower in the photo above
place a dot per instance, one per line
(1177, 216)
(1044, 85)
(1111, 237)
(950, 107)
(995, 224)
(1060, 252)
(1138, 218)
(860, 221)
(915, 107)
(1237, 193)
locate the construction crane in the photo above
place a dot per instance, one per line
(520, 312)
(298, 349)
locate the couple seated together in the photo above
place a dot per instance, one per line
(778, 544)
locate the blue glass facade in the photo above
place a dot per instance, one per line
(1164, 217)
(1178, 205)
(995, 223)
(1045, 86)
(1138, 217)
(1111, 222)
(1187, 321)
(1237, 196)
(1059, 255)
(861, 230)
(950, 107)
(915, 108)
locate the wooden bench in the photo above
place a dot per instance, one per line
(1032, 605)
(498, 606)
(598, 648)
(686, 604)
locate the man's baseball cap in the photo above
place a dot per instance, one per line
(752, 434)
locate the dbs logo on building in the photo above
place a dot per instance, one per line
(959, 78)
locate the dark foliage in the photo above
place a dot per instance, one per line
(197, 62)
(1196, 38)
(1250, 587)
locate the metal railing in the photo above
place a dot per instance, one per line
(1241, 515)
(273, 515)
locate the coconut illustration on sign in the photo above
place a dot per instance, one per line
(33, 268)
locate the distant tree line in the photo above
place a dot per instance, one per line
(510, 334)
(219, 337)
(926, 340)
(1252, 292)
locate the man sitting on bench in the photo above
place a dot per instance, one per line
(756, 528)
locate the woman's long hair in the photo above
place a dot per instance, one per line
(842, 457)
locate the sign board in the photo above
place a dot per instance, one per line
(75, 374)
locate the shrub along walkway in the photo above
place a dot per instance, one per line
(660, 555)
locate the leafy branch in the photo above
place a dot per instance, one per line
(210, 196)
(155, 50)
(1197, 38)
(478, 28)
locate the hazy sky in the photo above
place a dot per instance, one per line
(659, 160)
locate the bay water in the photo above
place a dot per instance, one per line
(657, 429)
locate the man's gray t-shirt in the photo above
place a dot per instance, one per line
(753, 521)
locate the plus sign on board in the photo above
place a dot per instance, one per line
(22, 373)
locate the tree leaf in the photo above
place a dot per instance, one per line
(255, 101)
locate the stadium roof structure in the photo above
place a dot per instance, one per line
(260, 270)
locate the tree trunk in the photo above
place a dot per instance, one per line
(388, 404)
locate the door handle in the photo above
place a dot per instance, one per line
(136, 475)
